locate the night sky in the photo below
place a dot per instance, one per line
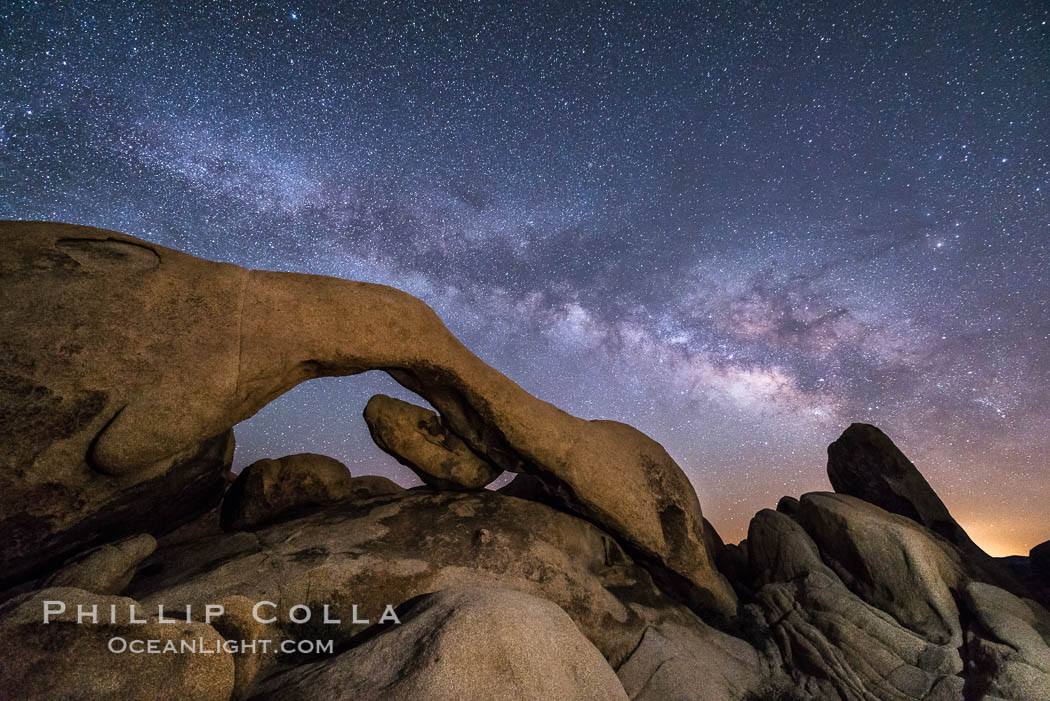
(738, 227)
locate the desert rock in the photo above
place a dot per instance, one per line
(106, 569)
(67, 660)
(416, 437)
(461, 644)
(888, 561)
(1039, 557)
(180, 349)
(392, 548)
(268, 489)
(695, 662)
(865, 463)
(368, 486)
(1008, 645)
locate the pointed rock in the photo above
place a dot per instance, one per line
(864, 463)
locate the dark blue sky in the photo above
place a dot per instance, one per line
(738, 227)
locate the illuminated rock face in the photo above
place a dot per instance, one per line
(416, 437)
(128, 363)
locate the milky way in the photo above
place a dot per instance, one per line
(738, 227)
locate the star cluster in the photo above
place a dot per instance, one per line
(737, 226)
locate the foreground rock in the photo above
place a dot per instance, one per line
(177, 350)
(417, 439)
(1009, 645)
(462, 644)
(392, 548)
(888, 561)
(269, 489)
(67, 660)
(107, 569)
(822, 598)
(693, 662)
(865, 604)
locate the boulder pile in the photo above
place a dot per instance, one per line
(592, 575)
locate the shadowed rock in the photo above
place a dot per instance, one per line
(148, 353)
(368, 486)
(1039, 557)
(864, 463)
(859, 601)
(888, 561)
(392, 548)
(1008, 643)
(780, 550)
(106, 569)
(269, 489)
(417, 439)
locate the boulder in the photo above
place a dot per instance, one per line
(712, 541)
(733, 563)
(368, 486)
(788, 506)
(834, 643)
(837, 646)
(149, 354)
(268, 490)
(1008, 645)
(418, 440)
(238, 622)
(779, 550)
(64, 659)
(106, 569)
(462, 644)
(864, 463)
(695, 662)
(889, 561)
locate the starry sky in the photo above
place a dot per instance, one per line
(738, 226)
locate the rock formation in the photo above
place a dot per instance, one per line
(446, 648)
(417, 439)
(67, 659)
(591, 575)
(106, 569)
(1039, 556)
(148, 356)
(267, 490)
(865, 463)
